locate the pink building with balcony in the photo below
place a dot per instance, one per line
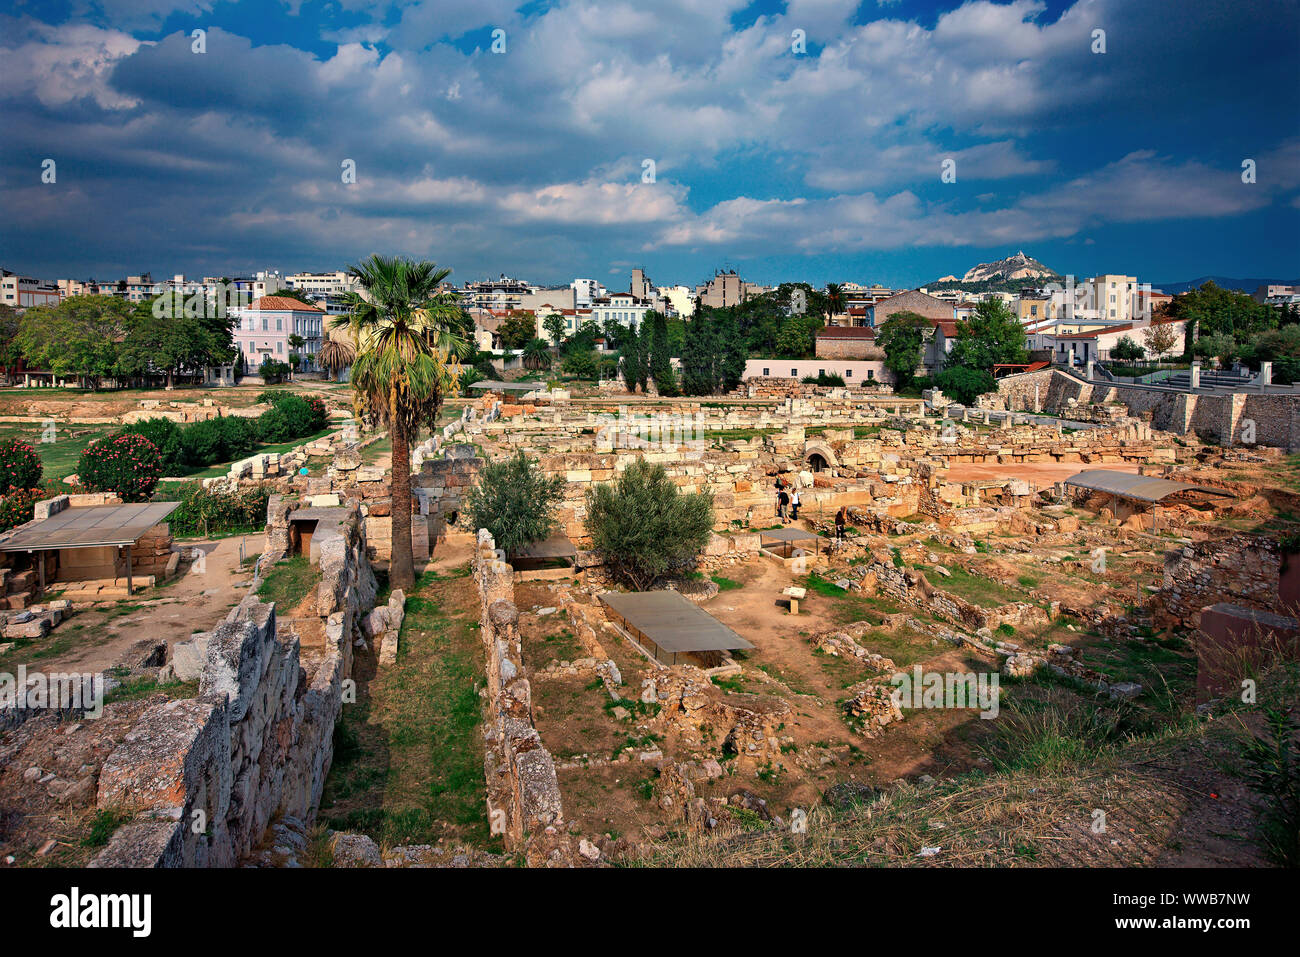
(264, 328)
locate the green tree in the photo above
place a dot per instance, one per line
(1212, 310)
(537, 354)
(644, 527)
(81, 337)
(286, 293)
(964, 384)
(661, 363)
(516, 502)
(554, 325)
(11, 355)
(161, 338)
(516, 329)
(991, 335)
(901, 337)
(1126, 350)
(408, 359)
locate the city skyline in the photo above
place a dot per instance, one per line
(816, 157)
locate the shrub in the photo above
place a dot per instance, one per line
(290, 418)
(20, 466)
(201, 443)
(273, 370)
(239, 437)
(515, 502)
(963, 384)
(834, 379)
(166, 438)
(17, 507)
(205, 512)
(126, 464)
(644, 527)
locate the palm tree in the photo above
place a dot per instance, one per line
(537, 354)
(407, 358)
(336, 355)
(834, 298)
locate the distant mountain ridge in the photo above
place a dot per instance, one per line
(1012, 269)
(1225, 282)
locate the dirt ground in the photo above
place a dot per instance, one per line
(1041, 474)
(197, 599)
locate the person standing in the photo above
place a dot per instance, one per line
(794, 506)
(782, 500)
(840, 521)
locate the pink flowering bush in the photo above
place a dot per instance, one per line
(127, 463)
(20, 466)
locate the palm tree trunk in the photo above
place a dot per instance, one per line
(401, 567)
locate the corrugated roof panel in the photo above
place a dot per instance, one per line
(1144, 488)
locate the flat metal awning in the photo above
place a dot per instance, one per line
(497, 386)
(676, 625)
(88, 526)
(791, 535)
(555, 547)
(1143, 488)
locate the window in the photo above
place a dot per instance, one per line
(794, 373)
(871, 373)
(279, 348)
(767, 372)
(848, 373)
(265, 324)
(279, 325)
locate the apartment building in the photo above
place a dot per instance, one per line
(726, 289)
(914, 300)
(322, 284)
(24, 291)
(263, 329)
(621, 307)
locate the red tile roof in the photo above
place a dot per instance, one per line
(846, 332)
(282, 304)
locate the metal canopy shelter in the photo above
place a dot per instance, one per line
(93, 526)
(89, 526)
(497, 386)
(555, 547)
(1142, 488)
(789, 536)
(671, 625)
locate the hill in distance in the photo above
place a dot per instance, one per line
(1224, 282)
(1017, 270)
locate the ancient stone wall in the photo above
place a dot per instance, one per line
(205, 777)
(523, 794)
(1240, 570)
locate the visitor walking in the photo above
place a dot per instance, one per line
(782, 500)
(794, 506)
(840, 521)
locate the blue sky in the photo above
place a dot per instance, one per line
(820, 164)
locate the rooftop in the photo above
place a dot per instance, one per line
(82, 527)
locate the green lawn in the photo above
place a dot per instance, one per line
(61, 456)
(408, 766)
(288, 583)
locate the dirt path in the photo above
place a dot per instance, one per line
(197, 600)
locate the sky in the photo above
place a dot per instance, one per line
(804, 140)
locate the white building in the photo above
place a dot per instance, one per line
(621, 307)
(23, 291)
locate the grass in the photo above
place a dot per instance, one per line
(726, 584)
(409, 754)
(61, 456)
(975, 589)
(288, 583)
